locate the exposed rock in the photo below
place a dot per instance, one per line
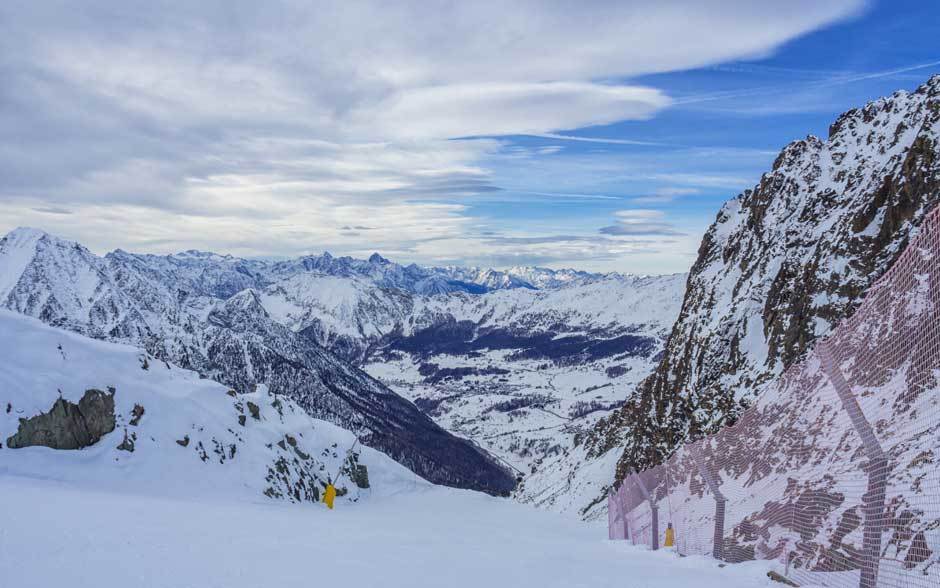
(184, 442)
(128, 443)
(358, 473)
(255, 410)
(137, 413)
(68, 425)
(783, 263)
(782, 579)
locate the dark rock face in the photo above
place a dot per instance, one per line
(358, 473)
(783, 263)
(68, 425)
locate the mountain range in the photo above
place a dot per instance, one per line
(551, 384)
(193, 314)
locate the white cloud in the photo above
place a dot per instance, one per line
(218, 124)
(641, 222)
(462, 110)
(665, 195)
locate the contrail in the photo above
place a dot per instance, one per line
(598, 140)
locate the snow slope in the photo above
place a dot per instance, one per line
(194, 437)
(428, 538)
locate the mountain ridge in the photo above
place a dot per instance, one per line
(781, 264)
(232, 340)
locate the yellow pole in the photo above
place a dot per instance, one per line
(670, 536)
(329, 495)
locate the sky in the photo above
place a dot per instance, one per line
(597, 135)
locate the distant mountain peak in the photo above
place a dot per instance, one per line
(239, 312)
(27, 233)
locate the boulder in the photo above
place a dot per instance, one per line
(68, 425)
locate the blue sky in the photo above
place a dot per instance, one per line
(604, 137)
(728, 124)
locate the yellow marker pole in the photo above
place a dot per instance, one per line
(329, 495)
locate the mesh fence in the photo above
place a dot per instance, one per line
(834, 471)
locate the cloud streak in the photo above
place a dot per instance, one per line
(640, 222)
(266, 129)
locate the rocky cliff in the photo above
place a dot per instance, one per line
(781, 264)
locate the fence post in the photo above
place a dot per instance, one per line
(623, 514)
(873, 502)
(719, 537)
(653, 508)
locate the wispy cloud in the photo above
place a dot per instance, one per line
(833, 80)
(665, 195)
(267, 129)
(52, 210)
(601, 140)
(640, 222)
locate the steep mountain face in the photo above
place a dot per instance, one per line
(172, 312)
(168, 430)
(782, 263)
(847, 432)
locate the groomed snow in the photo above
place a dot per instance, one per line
(59, 535)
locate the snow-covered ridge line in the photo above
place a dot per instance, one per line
(232, 274)
(243, 273)
(174, 433)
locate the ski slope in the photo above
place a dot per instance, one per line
(427, 536)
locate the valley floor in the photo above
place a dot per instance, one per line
(55, 535)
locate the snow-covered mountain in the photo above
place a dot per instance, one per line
(527, 373)
(542, 277)
(148, 426)
(782, 263)
(520, 370)
(175, 308)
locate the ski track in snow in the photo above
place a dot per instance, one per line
(64, 535)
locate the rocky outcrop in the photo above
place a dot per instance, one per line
(68, 425)
(358, 473)
(782, 263)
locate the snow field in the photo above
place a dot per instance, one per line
(433, 537)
